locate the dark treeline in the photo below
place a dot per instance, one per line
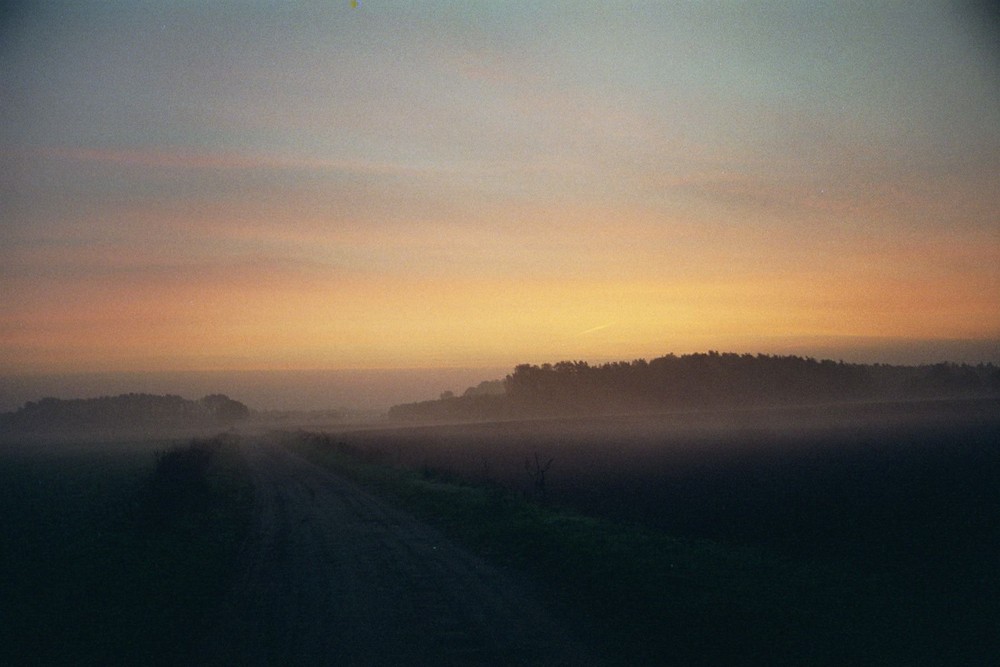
(126, 410)
(704, 380)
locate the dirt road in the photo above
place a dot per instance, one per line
(331, 575)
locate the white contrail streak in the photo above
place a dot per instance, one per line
(584, 333)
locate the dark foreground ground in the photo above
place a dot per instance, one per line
(865, 534)
(237, 551)
(112, 552)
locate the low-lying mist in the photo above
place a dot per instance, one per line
(774, 474)
(299, 390)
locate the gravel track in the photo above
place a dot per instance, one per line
(331, 575)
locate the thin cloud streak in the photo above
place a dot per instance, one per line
(594, 329)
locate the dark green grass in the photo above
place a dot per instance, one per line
(107, 560)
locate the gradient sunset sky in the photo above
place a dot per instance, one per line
(281, 185)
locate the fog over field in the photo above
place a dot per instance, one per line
(374, 390)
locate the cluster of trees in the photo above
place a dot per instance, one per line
(450, 408)
(126, 410)
(696, 380)
(701, 380)
(487, 400)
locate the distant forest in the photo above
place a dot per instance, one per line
(124, 411)
(703, 380)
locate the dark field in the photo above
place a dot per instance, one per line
(848, 534)
(789, 477)
(891, 511)
(112, 552)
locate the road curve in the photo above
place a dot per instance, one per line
(331, 575)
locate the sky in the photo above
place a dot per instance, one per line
(311, 185)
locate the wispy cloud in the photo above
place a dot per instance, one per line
(593, 329)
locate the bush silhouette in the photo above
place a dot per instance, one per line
(178, 485)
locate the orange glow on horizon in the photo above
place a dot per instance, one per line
(246, 322)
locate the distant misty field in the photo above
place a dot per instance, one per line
(890, 512)
(712, 472)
